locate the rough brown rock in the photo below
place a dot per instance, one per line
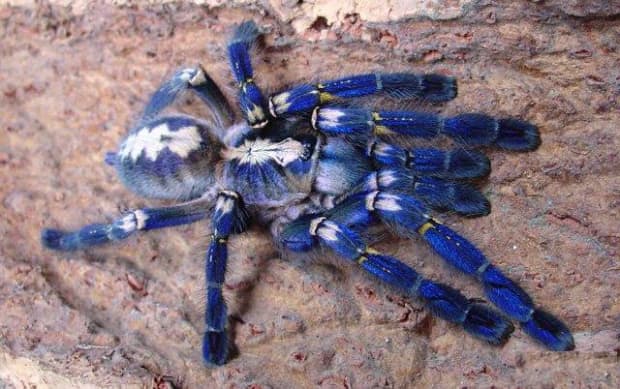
(129, 315)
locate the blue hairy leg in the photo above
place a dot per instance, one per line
(500, 290)
(471, 129)
(452, 164)
(229, 217)
(305, 98)
(461, 198)
(251, 100)
(192, 79)
(436, 193)
(141, 219)
(407, 215)
(442, 301)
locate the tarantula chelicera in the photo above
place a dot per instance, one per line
(320, 173)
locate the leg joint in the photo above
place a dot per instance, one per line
(315, 223)
(431, 223)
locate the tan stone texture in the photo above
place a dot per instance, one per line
(130, 315)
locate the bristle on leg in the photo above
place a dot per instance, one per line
(461, 198)
(487, 324)
(304, 98)
(229, 217)
(431, 87)
(452, 164)
(549, 331)
(443, 301)
(517, 135)
(140, 219)
(251, 100)
(478, 320)
(499, 289)
(476, 129)
(215, 348)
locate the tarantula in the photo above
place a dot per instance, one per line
(319, 174)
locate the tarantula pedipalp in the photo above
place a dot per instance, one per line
(320, 174)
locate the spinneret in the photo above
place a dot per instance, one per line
(318, 174)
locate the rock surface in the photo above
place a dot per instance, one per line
(73, 79)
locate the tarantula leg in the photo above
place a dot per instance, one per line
(442, 301)
(436, 193)
(503, 292)
(138, 220)
(229, 217)
(470, 129)
(251, 100)
(407, 215)
(452, 164)
(192, 79)
(305, 98)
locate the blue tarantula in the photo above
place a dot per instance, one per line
(319, 174)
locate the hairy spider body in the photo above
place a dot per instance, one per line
(321, 174)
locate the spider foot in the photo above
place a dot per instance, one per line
(474, 129)
(548, 330)
(462, 163)
(452, 164)
(486, 324)
(479, 320)
(53, 239)
(215, 348)
(444, 195)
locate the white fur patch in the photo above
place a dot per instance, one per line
(328, 231)
(141, 219)
(224, 204)
(330, 114)
(187, 74)
(386, 178)
(259, 151)
(328, 118)
(388, 203)
(256, 115)
(152, 141)
(279, 103)
(314, 224)
(129, 223)
(382, 149)
(199, 78)
(370, 200)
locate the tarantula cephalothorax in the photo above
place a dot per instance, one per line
(320, 173)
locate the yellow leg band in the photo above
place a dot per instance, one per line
(382, 130)
(370, 250)
(425, 227)
(363, 258)
(219, 240)
(325, 97)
